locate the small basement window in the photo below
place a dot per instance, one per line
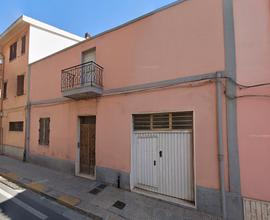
(16, 126)
(163, 121)
(44, 131)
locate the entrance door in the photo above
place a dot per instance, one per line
(87, 145)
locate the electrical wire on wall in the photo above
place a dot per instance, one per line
(241, 86)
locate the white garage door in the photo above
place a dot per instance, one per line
(163, 154)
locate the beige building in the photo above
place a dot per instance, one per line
(22, 43)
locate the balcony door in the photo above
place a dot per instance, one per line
(88, 56)
(88, 70)
(87, 145)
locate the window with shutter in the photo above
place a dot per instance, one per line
(44, 131)
(20, 85)
(13, 51)
(5, 90)
(23, 44)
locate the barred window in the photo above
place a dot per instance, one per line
(163, 121)
(44, 131)
(16, 126)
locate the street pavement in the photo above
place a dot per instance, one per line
(96, 199)
(17, 203)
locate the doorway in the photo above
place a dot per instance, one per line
(87, 148)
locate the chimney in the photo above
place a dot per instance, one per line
(87, 35)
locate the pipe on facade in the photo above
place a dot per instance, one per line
(2, 57)
(27, 118)
(220, 145)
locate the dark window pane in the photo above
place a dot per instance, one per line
(23, 44)
(13, 51)
(5, 91)
(16, 126)
(20, 85)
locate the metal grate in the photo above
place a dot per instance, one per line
(142, 122)
(182, 120)
(119, 205)
(163, 121)
(16, 126)
(101, 186)
(95, 191)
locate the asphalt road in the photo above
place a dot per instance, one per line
(20, 204)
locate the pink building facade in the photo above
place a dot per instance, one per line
(154, 106)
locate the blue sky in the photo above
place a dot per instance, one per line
(77, 16)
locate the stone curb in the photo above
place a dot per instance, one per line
(62, 202)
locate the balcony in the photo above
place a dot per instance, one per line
(82, 81)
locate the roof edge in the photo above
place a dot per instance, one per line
(41, 25)
(117, 27)
(13, 24)
(51, 28)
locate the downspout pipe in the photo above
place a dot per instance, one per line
(221, 145)
(2, 62)
(27, 118)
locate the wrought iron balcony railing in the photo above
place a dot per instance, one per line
(86, 74)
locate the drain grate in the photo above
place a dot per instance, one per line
(101, 186)
(95, 191)
(120, 205)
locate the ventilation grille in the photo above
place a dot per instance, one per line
(142, 122)
(163, 121)
(182, 120)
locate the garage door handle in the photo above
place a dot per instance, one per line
(155, 163)
(160, 153)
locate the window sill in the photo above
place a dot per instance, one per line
(44, 145)
(12, 60)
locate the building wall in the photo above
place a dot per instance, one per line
(170, 44)
(167, 45)
(253, 67)
(13, 105)
(63, 128)
(44, 43)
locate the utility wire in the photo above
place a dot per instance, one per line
(247, 86)
(246, 96)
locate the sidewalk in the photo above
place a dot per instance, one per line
(74, 192)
